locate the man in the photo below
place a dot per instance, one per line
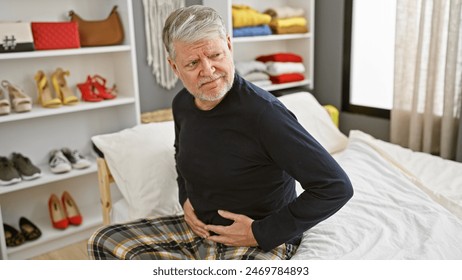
(238, 154)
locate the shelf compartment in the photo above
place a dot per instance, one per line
(38, 111)
(49, 177)
(287, 85)
(281, 37)
(54, 238)
(64, 52)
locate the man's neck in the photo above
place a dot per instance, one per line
(206, 105)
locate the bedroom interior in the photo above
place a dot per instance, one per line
(426, 190)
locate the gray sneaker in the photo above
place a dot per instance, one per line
(77, 160)
(27, 170)
(8, 174)
(58, 162)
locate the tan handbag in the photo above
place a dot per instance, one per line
(104, 32)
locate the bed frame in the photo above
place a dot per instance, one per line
(104, 182)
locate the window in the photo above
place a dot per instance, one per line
(369, 57)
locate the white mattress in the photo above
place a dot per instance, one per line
(392, 215)
(405, 206)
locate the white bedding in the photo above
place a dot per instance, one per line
(406, 205)
(389, 216)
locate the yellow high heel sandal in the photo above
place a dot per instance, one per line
(62, 90)
(45, 97)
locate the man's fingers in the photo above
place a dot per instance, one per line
(216, 229)
(228, 215)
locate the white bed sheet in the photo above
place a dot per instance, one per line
(389, 216)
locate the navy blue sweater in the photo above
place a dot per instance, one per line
(244, 155)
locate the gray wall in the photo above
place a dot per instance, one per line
(152, 96)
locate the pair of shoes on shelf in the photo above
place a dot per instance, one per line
(64, 160)
(94, 89)
(20, 102)
(28, 231)
(16, 169)
(62, 93)
(64, 212)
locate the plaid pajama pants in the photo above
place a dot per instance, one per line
(170, 238)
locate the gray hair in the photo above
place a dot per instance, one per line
(191, 24)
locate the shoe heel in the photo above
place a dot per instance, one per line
(57, 215)
(45, 97)
(71, 209)
(86, 90)
(62, 90)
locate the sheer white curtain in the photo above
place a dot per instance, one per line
(155, 14)
(428, 76)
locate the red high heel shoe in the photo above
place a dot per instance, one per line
(57, 215)
(99, 86)
(71, 209)
(86, 89)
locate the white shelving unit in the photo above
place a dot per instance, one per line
(248, 48)
(34, 134)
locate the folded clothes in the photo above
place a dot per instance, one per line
(289, 29)
(286, 22)
(287, 78)
(245, 67)
(259, 30)
(285, 12)
(262, 83)
(280, 57)
(244, 15)
(278, 68)
(257, 76)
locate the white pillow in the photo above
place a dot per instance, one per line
(141, 160)
(315, 119)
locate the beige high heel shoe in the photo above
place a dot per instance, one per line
(21, 101)
(5, 106)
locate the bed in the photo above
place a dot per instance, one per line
(407, 205)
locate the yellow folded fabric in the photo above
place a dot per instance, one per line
(285, 12)
(246, 16)
(286, 22)
(289, 30)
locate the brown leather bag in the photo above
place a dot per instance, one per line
(104, 32)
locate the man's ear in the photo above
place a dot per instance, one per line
(173, 65)
(228, 40)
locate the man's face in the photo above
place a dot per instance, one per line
(205, 67)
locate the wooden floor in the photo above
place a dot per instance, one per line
(77, 251)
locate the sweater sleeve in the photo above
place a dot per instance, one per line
(326, 186)
(182, 195)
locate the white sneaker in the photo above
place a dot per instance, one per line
(76, 159)
(58, 162)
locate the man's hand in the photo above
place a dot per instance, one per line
(197, 226)
(238, 234)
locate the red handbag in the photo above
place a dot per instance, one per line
(55, 35)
